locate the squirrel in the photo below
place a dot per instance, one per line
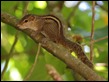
(51, 27)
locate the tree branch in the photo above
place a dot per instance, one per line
(102, 7)
(25, 7)
(92, 30)
(94, 41)
(65, 55)
(72, 13)
(10, 55)
(54, 6)
(33, 66)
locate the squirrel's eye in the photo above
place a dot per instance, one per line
(26, 20)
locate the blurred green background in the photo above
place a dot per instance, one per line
(26, 49)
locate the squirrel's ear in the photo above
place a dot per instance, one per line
(32, 17)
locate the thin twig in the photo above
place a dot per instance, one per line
(15, 41)
(99, 39)
(48, 6)
(73, 12)
(102, 7)
(16, 6)
(54, 6)
(60, 5)
(33, 66)
(25, 7)
(92, 30)
(10, 54)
